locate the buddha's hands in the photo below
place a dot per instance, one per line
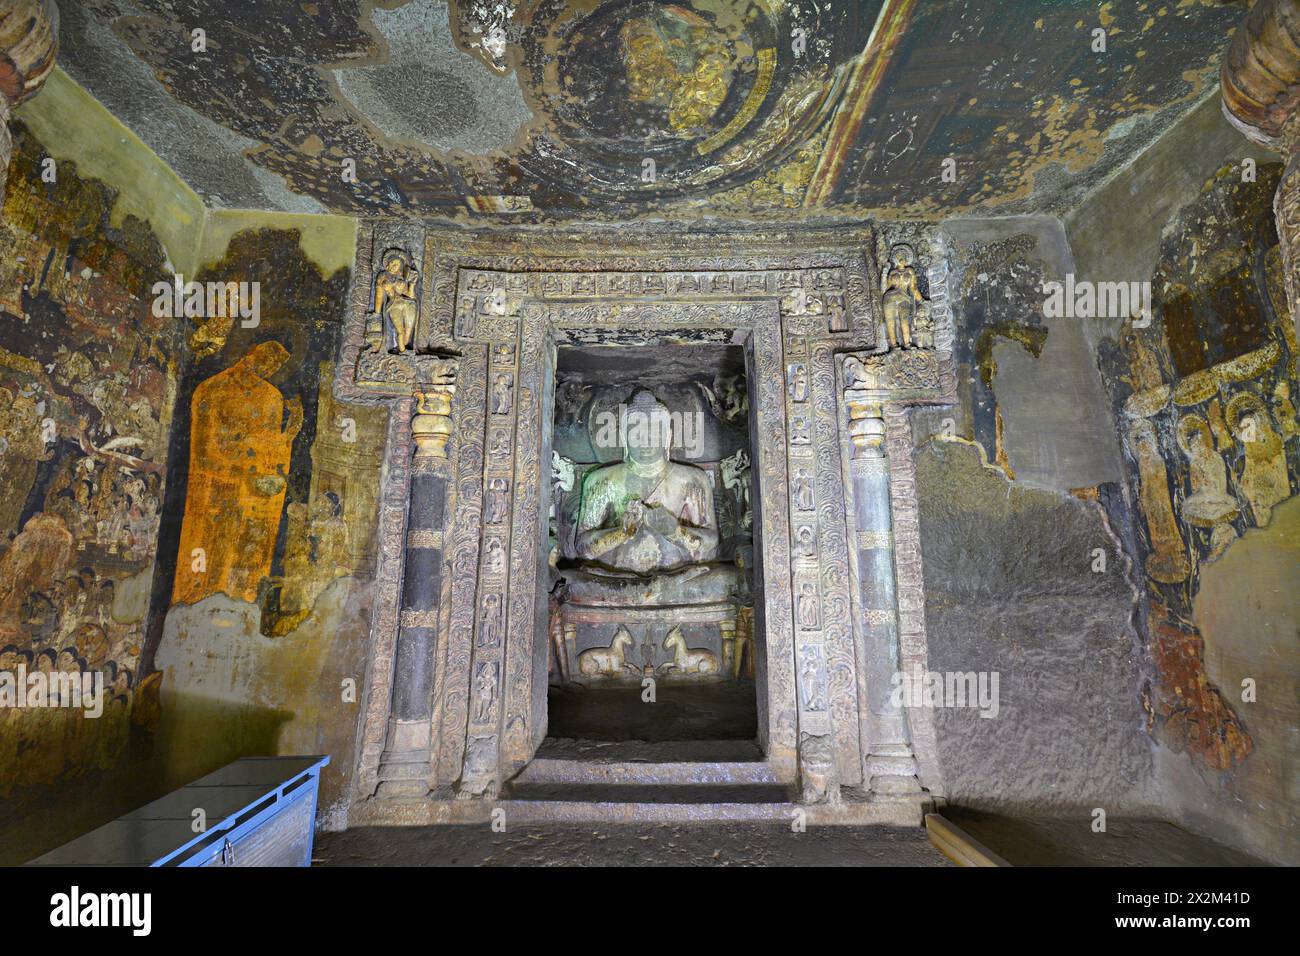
(661, 520)
(633, 517)
(640, 515)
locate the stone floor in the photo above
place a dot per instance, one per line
(1070, 841)
(722, 710)
(627, 845)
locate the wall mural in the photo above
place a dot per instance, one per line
(246, 426)
(241, 435)
(269, 532)
(1206, 405)
(87, 383)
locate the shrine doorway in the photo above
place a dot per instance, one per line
(652, 627)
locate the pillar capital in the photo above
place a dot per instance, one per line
(866, 424)
(29, 39)
(1261, 97)
(431, 422)
(1260, 76)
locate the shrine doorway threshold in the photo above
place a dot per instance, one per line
(684, 781)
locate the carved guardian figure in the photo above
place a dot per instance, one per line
(395, 300)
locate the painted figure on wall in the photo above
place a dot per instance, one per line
(1264, 479)
(1168, 562)
(241, 435)
(1209, 506)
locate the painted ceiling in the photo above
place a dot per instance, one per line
(537, 110)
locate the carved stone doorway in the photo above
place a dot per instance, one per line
(456, 698)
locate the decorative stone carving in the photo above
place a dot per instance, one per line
(735, 478)
(728, 400)
(902, 297)
(491, 596)
(431, 424)
(485, 692)
(817, 767)
(812, 678)
(609, 661)
(806, 541)
(1260, 79)
(495, 563)
(897, 371)
(686, 661)
(395, 303)
(489, 634)
(29, 41)
(503, 384)
(498, 500)
(809, 612)
(797, 382)
(480, 762)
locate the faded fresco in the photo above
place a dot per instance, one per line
(270, 535)
(1206, 408)
(549, 110)
(87, 384)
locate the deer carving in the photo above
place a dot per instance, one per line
(606, 661)
(687, 661)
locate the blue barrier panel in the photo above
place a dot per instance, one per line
(258, 811)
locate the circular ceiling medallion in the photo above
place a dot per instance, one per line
(644, 98)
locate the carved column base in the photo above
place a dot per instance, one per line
(407, 761)
(891, 772)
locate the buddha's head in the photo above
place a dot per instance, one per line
(649, 434)
(266, 358)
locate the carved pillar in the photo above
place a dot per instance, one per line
(29, 39)
(406, 762)
(1261, 97)
(889, 765)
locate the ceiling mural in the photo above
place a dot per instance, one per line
(524, 110)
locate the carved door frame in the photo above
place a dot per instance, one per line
(494, 311)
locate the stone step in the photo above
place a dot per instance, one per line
(727, 792)
(648, 751)
(883, 813)
(587, 772)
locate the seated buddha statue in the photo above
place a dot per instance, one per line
(647, 528)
